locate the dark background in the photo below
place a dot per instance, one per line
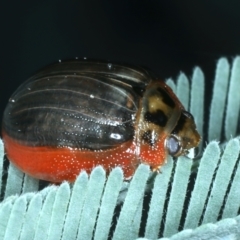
(165, 36)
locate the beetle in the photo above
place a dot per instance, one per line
(75, 115)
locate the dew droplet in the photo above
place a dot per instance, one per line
(109, 66)
(59, 60)
(91, 96)
(115, 136)
(12, 100)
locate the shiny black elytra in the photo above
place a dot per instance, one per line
(94, 97)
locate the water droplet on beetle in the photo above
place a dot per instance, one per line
(115, 136)
(109, 66)
(12, 100)
(59, 60)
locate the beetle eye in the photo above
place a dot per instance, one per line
(173, 145)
